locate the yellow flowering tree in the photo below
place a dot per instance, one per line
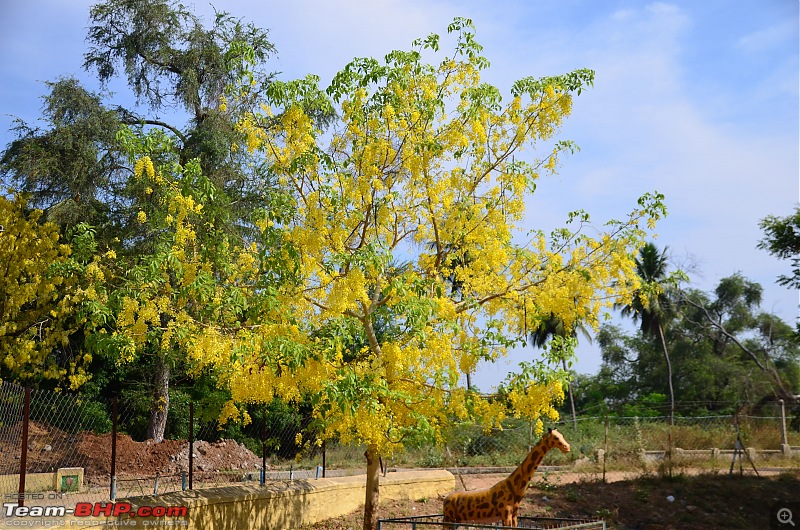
(402, 228)
(186, 270)
(43, 290)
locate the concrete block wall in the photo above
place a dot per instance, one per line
(284, 505)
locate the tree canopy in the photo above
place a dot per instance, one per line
(422, 168)
(141, 181)
(725, 350)
(42, 291)
(358, 248)
(782, 240)
(419, 167)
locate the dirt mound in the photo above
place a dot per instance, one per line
(170, 457)
(224, 455)
(50, 448)
(133, 458)
(33, 429)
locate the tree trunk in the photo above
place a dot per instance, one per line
(571, 397)
(371, 500)
(160, 407)
(669, 375)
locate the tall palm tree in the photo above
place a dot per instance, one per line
(651, 304)
(553, 326)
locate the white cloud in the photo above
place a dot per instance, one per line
(322, 37)
(766, 39)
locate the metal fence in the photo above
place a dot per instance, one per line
(57, 445)
(623, 442)
(425, 522)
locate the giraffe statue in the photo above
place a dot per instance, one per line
(500, 503)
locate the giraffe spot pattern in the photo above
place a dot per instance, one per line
(489, 506)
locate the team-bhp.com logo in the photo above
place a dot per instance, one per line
(95, 509)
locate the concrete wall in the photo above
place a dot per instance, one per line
(286, 505)
(43, 482)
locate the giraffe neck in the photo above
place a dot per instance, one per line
(522, 475)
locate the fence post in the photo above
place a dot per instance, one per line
(669, 441)
(264, 449)
(324, 452)
(785, 447)
(191, 443)
(605, 451)
(114, 418)
(23, 457)
(530, 435)
(784, 436)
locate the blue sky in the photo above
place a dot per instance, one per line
(697, 100)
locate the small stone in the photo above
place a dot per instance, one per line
(47, 448)
(670, 498)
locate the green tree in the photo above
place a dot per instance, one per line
(739, 332)
(72, 169)
(632, 368)
(550, 327)
(726, 352)
(651, 304)
(782, 240)
(82, 168)
(421, 165)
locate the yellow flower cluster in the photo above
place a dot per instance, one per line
(425, 166)
(39, 301)
(144, 168)
(537, 401)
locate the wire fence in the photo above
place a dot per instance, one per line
(59, 446)
(623, 442)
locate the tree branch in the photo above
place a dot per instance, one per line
(158, 123)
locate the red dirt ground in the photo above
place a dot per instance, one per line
(50, 448)
(625, 502)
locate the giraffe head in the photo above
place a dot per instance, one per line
(556, 439)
